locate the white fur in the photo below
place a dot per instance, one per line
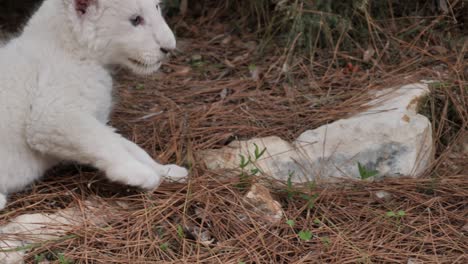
(55, 91)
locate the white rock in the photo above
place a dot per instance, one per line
(27, 229)
(465, 229)
(270, 163)
(390, 137)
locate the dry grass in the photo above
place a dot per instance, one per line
(199, 104)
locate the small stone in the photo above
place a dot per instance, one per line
(414, 261)
(182, 71)
(383, 195)
(254, 72)
(465, 229)
(223, 93)
(201, 235)
(227, 40)
(368, 54)
(261, 202)
(251, 45)
(196, 57)
(123, 205)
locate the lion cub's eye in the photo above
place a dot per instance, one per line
(136, 20)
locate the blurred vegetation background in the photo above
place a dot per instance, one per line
(309, 25)
(387, 31)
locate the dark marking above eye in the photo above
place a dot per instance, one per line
(159, 6)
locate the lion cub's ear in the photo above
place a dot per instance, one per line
(82, 6)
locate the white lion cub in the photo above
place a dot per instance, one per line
(55, 90)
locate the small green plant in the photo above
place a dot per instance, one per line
(258, 153)
(326, 241)
(365, 173)
(39, 258)
(164, 246)
(244, 177)
(245, 162)
(197, 61)
(305, 235)
(180, 232)
(140, 86)
(292, 192)
(62, 259)
(310, 199)
(159, 230)
(397, 216)
(252, 67)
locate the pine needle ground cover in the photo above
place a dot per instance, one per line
(237, 82)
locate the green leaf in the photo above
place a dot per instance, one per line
(310, 199)
(305, 235)
(254, 171)
(312, 186)
(164, 246)
(140, 87)
(290, 223)
(364, 173)
(289, 182)
(197, 61)
(289, 186)
(390, 214)
(257, 152)
(401, 213)
(63, 260)
(326, 241)
(39, 258)
(180, 231)
(243, 162)
(317, 221)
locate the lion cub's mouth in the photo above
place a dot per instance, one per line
(142, 64)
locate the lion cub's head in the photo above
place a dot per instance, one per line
(132, 33)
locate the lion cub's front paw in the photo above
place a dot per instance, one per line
(174, 172)
(136, 174)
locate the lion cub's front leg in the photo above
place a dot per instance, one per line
(170, 171)
(79, 137)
